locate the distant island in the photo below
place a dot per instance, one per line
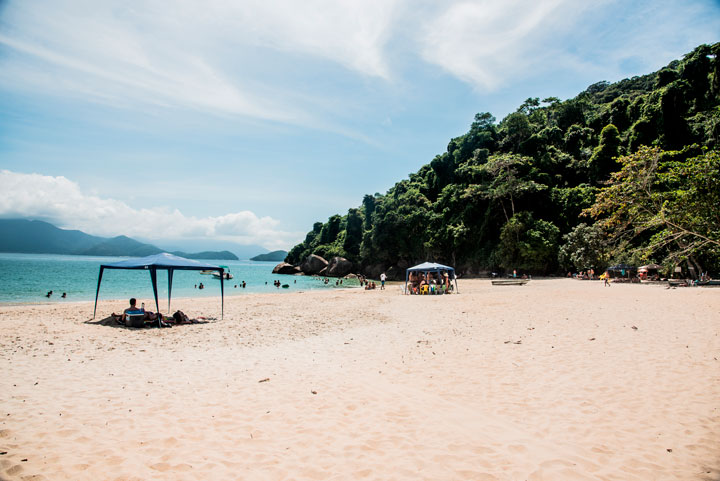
(274, 256)
(38, 237)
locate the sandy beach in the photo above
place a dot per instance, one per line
(556, 380)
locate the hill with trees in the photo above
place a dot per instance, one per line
(623, 172)
(274, 256)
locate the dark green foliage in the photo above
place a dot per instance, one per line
(583, 248)
(368, 210)
(602, 163)
(529, 245)
(353, 233)
(515, 129)
(510, 194)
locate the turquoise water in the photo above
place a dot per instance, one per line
(28, 277)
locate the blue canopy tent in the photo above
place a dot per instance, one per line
(622, 269)
(430, 267)
(163, 261)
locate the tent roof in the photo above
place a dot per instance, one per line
(430, 267)
(160, 261)
(651, 267)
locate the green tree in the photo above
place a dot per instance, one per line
(369, 210)
(528, 244)
(506, 184)
(330, 231)
(584, 247)
(516, 129)
(660, 203)
(602, 163)
(353, 233)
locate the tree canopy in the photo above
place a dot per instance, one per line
(638, 156)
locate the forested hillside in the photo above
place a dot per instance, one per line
(522, 193)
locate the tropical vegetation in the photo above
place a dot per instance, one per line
(624, 172)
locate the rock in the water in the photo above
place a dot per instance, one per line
(285, 268)
(313, 264)
(338, 267)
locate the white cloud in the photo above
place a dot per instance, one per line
(485, 42)
(491, 44)
(190, 55)
(64, 203)
(243, 58)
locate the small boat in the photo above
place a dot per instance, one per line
(226, 275)
(509, 282)
(207, 273)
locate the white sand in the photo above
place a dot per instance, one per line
(546, 381)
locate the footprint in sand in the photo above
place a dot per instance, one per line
(162, 467)
(517, 448)
(15, 470)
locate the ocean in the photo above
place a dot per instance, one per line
(27, 278)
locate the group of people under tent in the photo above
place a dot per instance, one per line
(429, 282)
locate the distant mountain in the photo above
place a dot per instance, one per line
(214, 245)
(219, 255)
(274, 256)
(121, 246)
(38, 237)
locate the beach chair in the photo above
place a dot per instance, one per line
(135, 319)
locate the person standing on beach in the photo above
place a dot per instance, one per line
(382, 281)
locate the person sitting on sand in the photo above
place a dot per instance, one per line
(149, 316)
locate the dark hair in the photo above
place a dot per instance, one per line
(133, 301)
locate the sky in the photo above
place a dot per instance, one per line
(246, 122)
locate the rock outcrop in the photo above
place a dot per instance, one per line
(338, 267)
(313, 264)
(373, 271)
(285, 268)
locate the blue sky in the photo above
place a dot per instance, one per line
(248, 121)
